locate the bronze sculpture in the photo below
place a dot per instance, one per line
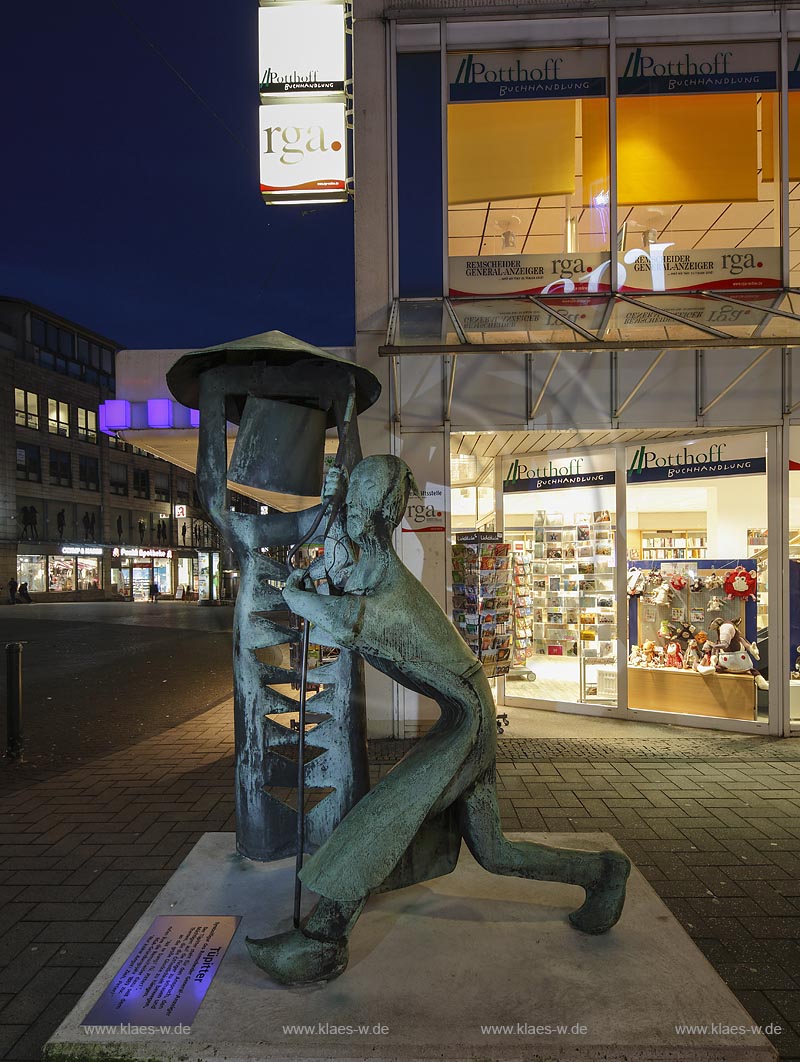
(409, 827)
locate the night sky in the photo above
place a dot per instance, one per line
(128, 206)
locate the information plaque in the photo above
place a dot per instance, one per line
(168, 973)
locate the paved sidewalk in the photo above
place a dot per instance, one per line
(712, 820)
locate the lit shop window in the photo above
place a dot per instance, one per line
(87, 424)
(32, 570)
(794, 162)
(697, 166)
(60, 468)
(88, 573)
(517, 125)
(26, 408)
(62, 573)
(57, 417)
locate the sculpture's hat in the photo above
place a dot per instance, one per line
(272, 348)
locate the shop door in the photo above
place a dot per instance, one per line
(142, 577)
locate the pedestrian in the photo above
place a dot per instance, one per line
(92, 525)
(22, 593)
(119, 528)
(154, 591)
(61, 523)
(12, 591)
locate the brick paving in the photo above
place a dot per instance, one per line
(712, 821)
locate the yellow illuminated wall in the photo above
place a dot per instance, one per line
(510, 150)
(682, 149)
(770, 137)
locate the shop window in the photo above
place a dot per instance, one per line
(61, 574)
(118, 478)
(49, 336)
(182, 489)
(87, 424)
(89, 573)
(562, 545)
(89, 472)
(29, 462)
(57, 417)
(141, 483)
(33, 571)
(161, 486)
(794, 162)
(698, 205)
(696, 558)
(26, 408)
(518, 189)
(60, 468)
(83, 350)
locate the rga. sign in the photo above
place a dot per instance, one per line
(303, 152)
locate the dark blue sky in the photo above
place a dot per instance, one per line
(131, 209)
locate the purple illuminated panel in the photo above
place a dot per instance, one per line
(101, 419)
(168, 973)
(118, 414)
(194, 418)
(159, 412)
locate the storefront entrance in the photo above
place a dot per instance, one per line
(588, 579)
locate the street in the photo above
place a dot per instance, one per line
(98, 677)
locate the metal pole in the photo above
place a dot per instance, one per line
(14, 700)
(301, 778)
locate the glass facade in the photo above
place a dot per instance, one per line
(33, 571)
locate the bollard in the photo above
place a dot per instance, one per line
(14, 700)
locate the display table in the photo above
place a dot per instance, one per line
(671, 689)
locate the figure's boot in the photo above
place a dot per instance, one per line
(605, 894)
(315, 952)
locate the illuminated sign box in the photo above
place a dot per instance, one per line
(303, 152)
(301, 49)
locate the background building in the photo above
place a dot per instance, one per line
(84, 515)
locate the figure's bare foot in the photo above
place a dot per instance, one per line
(293, 958)
(605, 894)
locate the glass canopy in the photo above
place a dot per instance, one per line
(594, 322)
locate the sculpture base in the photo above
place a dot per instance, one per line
(469, 966)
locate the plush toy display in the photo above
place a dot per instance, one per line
(714, 604)
(713, 581)
(665, 630)
(649, 652)
(693, 656)
(637, 581)
(683, 630)
(697, 585)
(677, 581)
(663, 595)
(740, 583)
(673, 656)
(636, 657)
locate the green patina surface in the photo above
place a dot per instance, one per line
(409, 827)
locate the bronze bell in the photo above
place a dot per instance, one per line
(279, 447)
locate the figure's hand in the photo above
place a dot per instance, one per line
(335, 483)
(299, 581)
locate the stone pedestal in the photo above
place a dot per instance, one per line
(466, 967)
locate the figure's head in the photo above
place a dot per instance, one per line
(377, 496)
